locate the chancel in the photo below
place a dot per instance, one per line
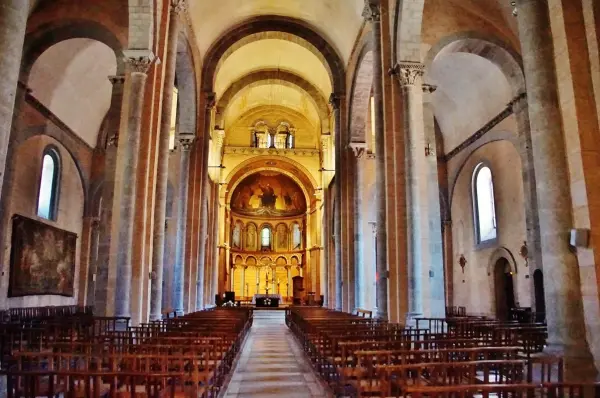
(303, 198)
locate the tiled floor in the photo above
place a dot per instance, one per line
(272, 363)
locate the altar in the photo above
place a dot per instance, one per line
(266, 300)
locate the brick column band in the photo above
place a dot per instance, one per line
(334, 100)
(200, 291)
(113, 120)
(162, 167)
(138, 63)
(185, 144)
(566, 325)
(372, 13)
(410, 75)
(13, 20)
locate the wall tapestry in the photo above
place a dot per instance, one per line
(268, 193)
(42, 259)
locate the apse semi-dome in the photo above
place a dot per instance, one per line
(268, 193)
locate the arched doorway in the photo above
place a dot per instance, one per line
(504, 288)
(540, 300)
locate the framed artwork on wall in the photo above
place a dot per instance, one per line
(42, 259)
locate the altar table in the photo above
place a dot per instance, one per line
(259, 300)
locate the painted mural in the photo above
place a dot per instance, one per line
(42, 259)
(268, 193)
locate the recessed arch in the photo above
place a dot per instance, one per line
(360, 95)
(485, 46)
(274, 76)
(264, 27)
(37, 42)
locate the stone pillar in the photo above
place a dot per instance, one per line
(434, 295)
(138, 63)
(185, 144)
(409, 75)
(334, 100)
(200, 282)
(113, 118)
(359, 150)
(448, 263)
(566, 325)
(372, 13)
(13, 21)
(162, 167)
(92, 261)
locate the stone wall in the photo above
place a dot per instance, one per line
(474, 288)
(27, 168)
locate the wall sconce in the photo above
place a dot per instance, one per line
(428, 150)
(524, 252)
(462, 261)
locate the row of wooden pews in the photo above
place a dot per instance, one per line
(458, 356)
(80, 355)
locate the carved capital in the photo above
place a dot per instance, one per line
(429, 88)
(186, 141)
(519, 103)
(371, 11)
(113, 140)
(178, 6)
(335, 100)
(139, 61)
(211, 100)
(408, 72)
(117, 80)
(359, 149)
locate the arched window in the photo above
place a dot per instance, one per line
(483, 204)
(265, 238)
(49, 182)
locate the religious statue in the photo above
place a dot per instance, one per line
(251, 237)
(236, 235)
(282, 237)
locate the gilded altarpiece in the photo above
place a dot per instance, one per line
(268, 223)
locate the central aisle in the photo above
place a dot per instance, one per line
(272, 363)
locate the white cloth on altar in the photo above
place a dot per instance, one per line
(277, 296)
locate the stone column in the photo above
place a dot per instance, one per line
(185, 144)
(162, 167)
(334, 100)
(566, 325)
(200, 282)
(113, 118)
(13, 21)
(434, 295)
(372, 13)
(243, 280)
(359, 149)
(92, 261)
(138, 63)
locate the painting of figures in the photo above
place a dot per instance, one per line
(42, 259)
(268, 193)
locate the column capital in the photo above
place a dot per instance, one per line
(178, 6)
(139, 60)
(335, 100)
(359, 149)
(211, 100)
(186, 140)
(371, 11)
(407, 72)
(519, 103)
(117, 80)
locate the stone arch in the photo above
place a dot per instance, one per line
(37, 42)
(490, 137)
(281, 261)
(498, 254)
(408, 21)
(72, 149)
(186, 84)
(275, 76)
(251, 261)
(95, 198)
(277, 27)
(360, 95)
(488, 47)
